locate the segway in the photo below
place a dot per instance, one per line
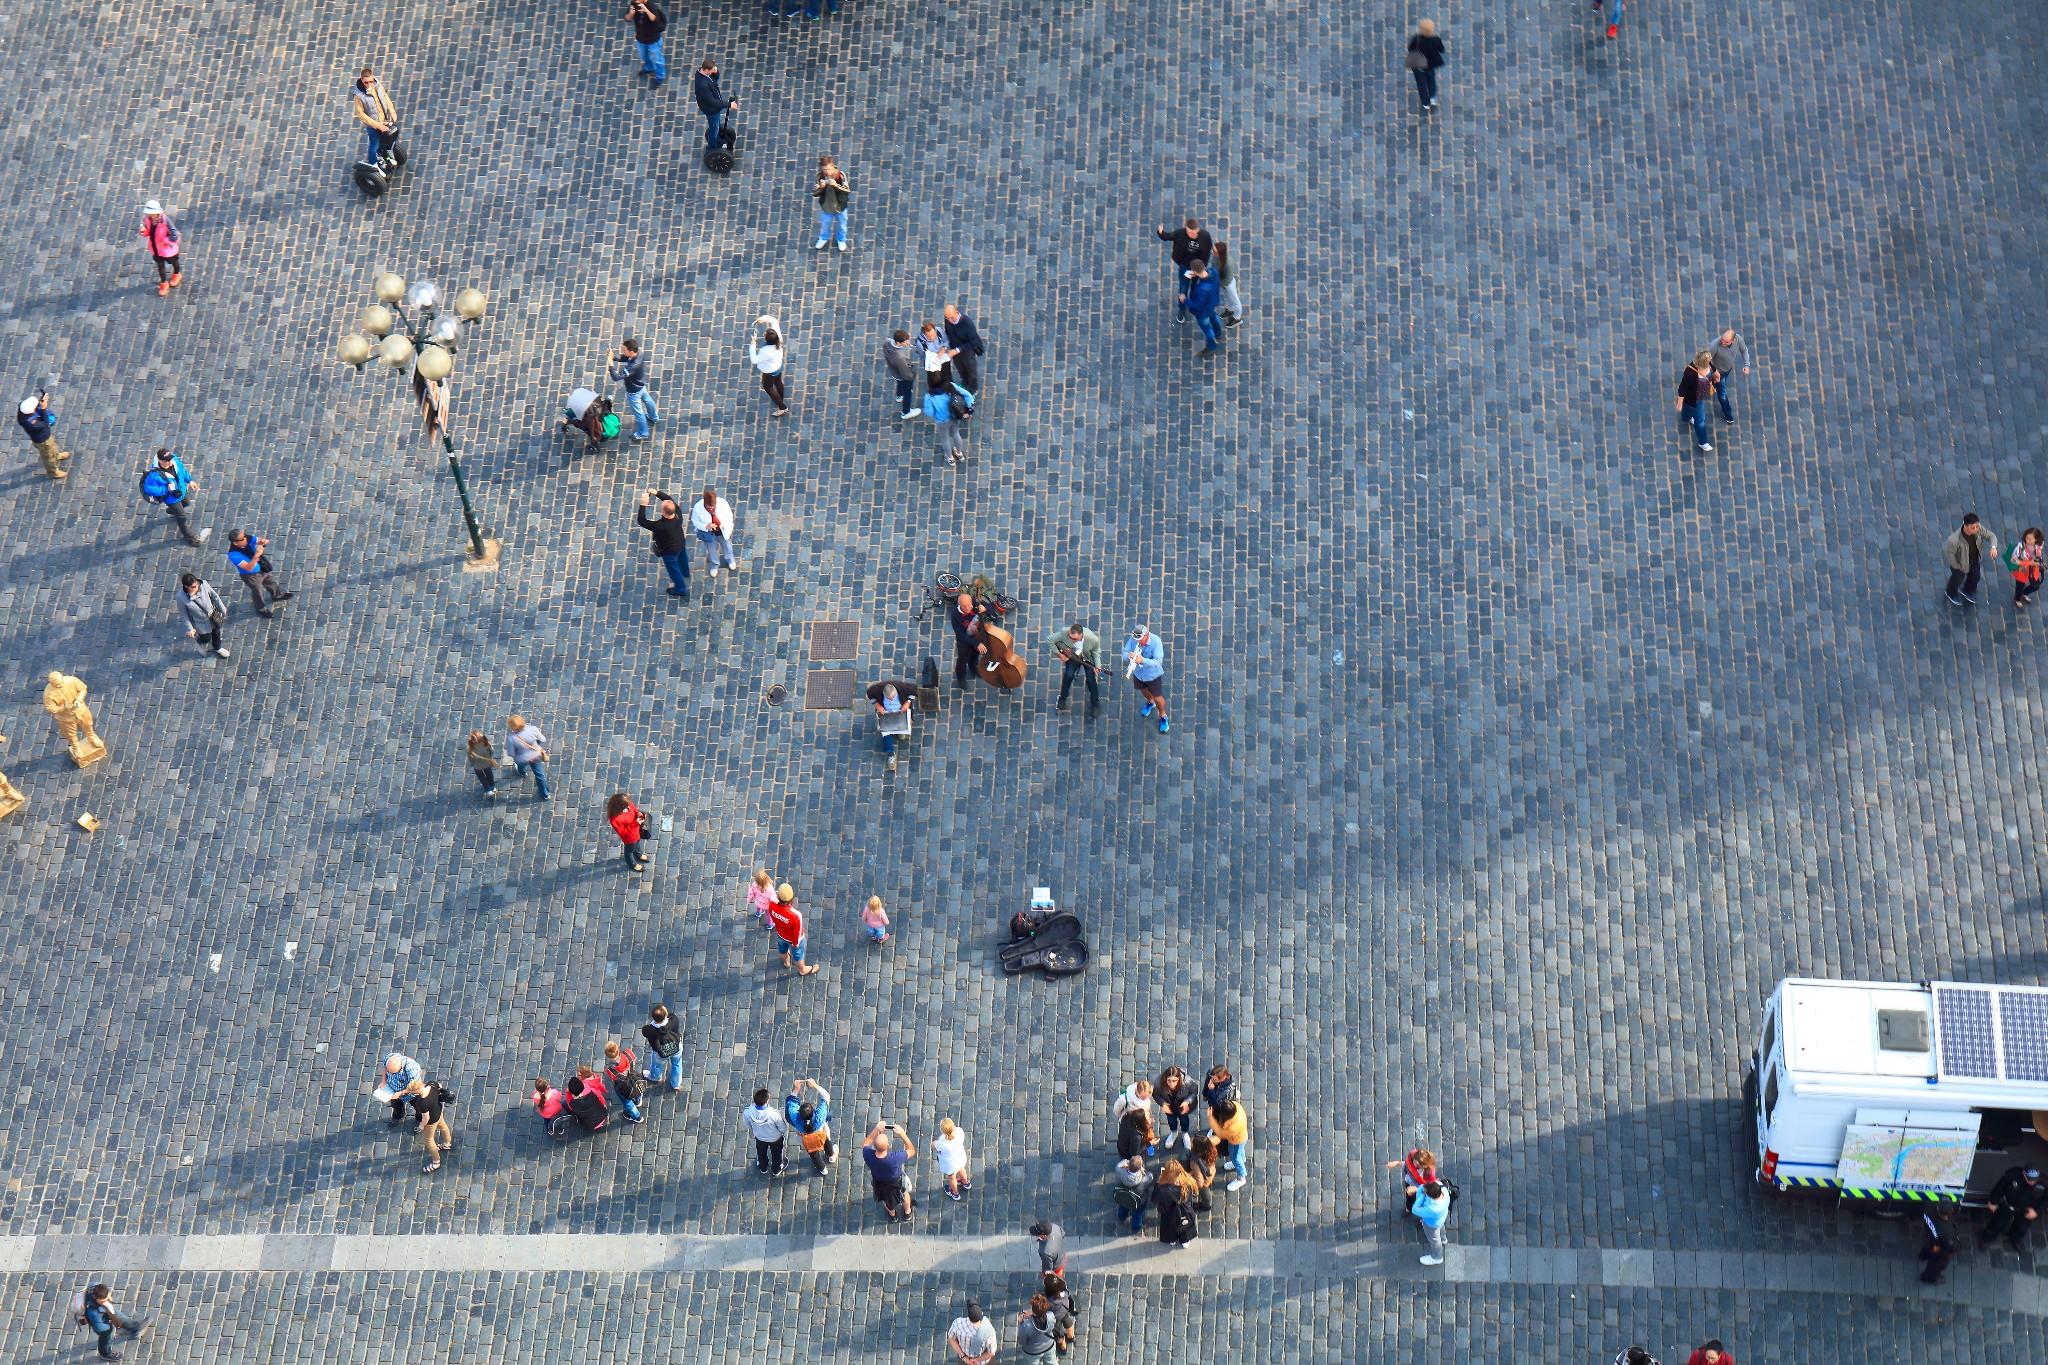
(374, 177)
(721, 158)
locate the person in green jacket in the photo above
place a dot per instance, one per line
(1080, 650)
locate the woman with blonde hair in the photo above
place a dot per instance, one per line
(1175, 1195)
(951, 1150)
(1425, 55)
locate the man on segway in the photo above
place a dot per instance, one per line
(373, 109)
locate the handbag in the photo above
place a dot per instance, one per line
(1416, 61)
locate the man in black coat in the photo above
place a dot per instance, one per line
(965, 340)
(1192, 243)
(587, 1104)
(966, 623)
(712, 101)
(2015, 1205)
(671, 544)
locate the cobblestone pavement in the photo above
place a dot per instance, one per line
(1518, 749)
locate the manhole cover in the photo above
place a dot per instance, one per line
(777, 695)
(828, 689)
(835, 641)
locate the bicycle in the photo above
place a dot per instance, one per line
(946, 590)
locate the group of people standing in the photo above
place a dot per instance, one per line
(586, 1099)
(1179, 1188)
(948, 357)
(1205, 281)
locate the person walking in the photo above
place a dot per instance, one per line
(811, 8)
(1226, 277)
(2013, 1207)
(1052, 1247)
(832, 192)
(1728, 351)
(552, 1106)
(664, 1047)
(712, 102)
(429, 1102)
(1695, 386)
(711, 518)
(167, 483)
(649, 23)
(527, 747)
(1192, 243)
(1080, 653)
(1054, 1287)
(40, 425)
(160, 234)
(1176, 1096)
(623, 1080)
(1131, 1187)
(790, 930)
(483, 761)
(1965, 552)
(2025, 559)
(205, 614)
(811, 1120)
(630, 826)
(963, 338)
(628, 368)
(947, 410)
(373, 109)
(671, 546)
(875, 920)
(761, 897)
(768, 356)
(885, 1163)
(900, 359)
(399, 1077)
(1613, 31)
(1425, 55)
(1201, 298)
(98, 1314)
(1431, 1209)
(1231, 1128)
(972, 1337)
(251, 559)
(1145, 666)
(965, 620)
(949, 1148)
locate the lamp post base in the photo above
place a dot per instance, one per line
(487, 562)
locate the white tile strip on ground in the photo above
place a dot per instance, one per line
(537, 1253)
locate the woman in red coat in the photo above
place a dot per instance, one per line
(626, 819)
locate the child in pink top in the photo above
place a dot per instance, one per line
(876, 919)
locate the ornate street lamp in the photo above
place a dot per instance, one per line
(408, 331)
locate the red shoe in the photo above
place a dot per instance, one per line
(1614, 30)
(177, 278)
(162, 288)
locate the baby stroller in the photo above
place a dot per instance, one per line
(590, 412)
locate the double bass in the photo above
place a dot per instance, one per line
(1000, 665)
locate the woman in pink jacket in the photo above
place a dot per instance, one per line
(162, 236)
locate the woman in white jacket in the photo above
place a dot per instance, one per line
(712, 519)
(768, 355)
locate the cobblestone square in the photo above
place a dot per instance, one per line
(1518, 749)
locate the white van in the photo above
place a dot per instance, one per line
(1874, 1092)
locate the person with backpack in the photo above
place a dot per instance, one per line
(628, 823)
(93, 1308)
(664, 1047)
(430, 1102)
(2025, 559)
(1432, 1208)
(167, 483)
(251, 559)
(587, 1104)
(811, 1121)
(161, 236)
(1037, 1334)
(1130, 1185)
(40, 426)
(624, 1081)
(205, 614)
(1425, 55)
(552, 1106)
(948, 408)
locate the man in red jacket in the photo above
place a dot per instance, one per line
(788, 922)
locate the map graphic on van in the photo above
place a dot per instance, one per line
(1884, 1157)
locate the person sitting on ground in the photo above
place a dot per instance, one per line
(889, 698)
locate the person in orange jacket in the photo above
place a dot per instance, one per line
(628, 822)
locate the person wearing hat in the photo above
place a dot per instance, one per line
(972, 1336)
(34, 417)
(170, 484)
(2015, 1205)
(1145, 666)
(161, 234)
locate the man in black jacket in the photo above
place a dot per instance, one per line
(2015, 1205)
(712, 101)
(648, 25)
(1192, 243)
(965, 340)
(664, 1047)
(966, 623)
(34, 419)
(670, 544)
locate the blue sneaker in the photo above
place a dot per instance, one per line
(1148, 709)
(1164, 725)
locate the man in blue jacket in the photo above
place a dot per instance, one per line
(35, 419)
(811, 1121)
(711, 100)
(169, 483)
(1203, 294)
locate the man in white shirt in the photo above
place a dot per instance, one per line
(711, 517)
(527, 747)
(769, 1128)
(973, 1337)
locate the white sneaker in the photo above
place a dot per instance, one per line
(714, 571)
(1432, 1260)
(1235, 1185)
(223, 653)
(892, 763)
(844, 247)
(818, 245)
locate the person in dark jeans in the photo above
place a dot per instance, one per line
(712, 101)
(1695, 387)
(966, 623)
(1425, 55)
(671, 546)
(102, 1319)
(1192, 243)
(964, 339)
(1965, 553)
(1080, 651)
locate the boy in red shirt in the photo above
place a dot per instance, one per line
(788, 922)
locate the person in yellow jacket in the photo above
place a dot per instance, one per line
(374, 111)
(1232, 1129)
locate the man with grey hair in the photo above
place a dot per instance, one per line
(1728, 351)
(972, 1336)
(671, 546)
(1145, 666)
